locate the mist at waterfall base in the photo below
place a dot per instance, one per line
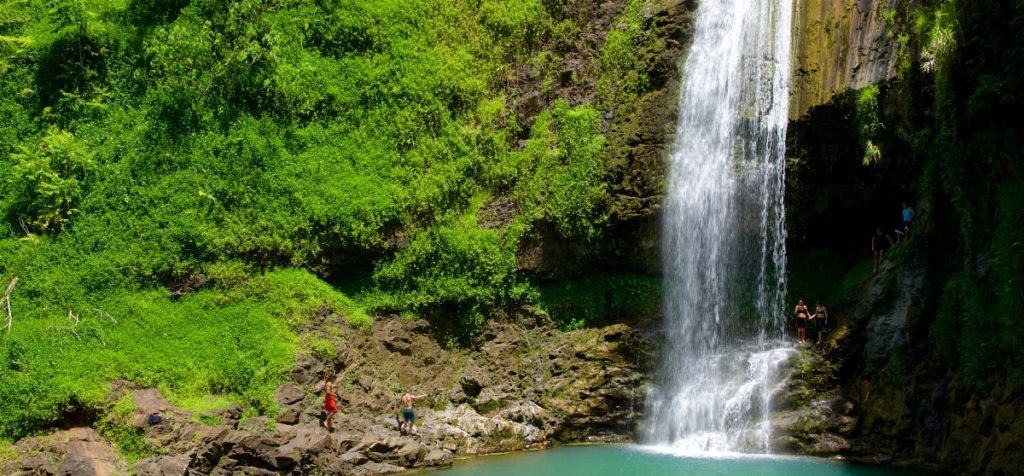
(723, 235)
(618, 460)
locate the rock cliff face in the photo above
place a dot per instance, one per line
(876, 392)
(883, 390)
(639, 124)
(840, 44)
(914, 410)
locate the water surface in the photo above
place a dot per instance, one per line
(616, 460)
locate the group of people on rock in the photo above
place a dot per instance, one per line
(805, 319)
(406, 426)
(881, 241)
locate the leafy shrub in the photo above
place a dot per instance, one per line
(594, 300)
(47, 181)
(322, 349)
(250, 140)
(454, 267)
(868, 123)
(564, 162)
(236, 342)
(117, 427)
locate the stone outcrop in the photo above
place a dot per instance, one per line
(810, 416)
(840, 44)
(877, 394)
(913, 410)
(641, 131)
(77, 451)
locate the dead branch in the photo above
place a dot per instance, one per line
(73, 317)
(102, 313)
(7, 301)
(10, 287)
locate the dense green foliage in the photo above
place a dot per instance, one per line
(147, 142)
(818, 275)
(977, 57)
(236, 341)
(595, 300)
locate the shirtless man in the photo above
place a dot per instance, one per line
(409, 425)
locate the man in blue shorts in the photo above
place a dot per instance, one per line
(409, 425)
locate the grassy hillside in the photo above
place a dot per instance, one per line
(264, 145)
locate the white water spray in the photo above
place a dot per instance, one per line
(724, 234)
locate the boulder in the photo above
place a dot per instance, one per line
(162, 466)
(438, 457)
(76, 451)
(307, 370)
(288, 394)
(375, 468)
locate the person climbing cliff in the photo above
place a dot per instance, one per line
(880, 242)
(908, 216)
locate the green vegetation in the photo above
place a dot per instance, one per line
(818, 275)
(237, 342)
(597, 299)
(116, 426)
(868, 123)
(976, 67)
(147, 143)
(976, 325)
(621, 64)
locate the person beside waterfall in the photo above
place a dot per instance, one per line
(801, 321)
(820, 319)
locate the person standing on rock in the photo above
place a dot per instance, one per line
(801, 321)
(330, 403)
(409, 425)
(820, 319)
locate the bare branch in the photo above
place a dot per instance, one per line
(10, 287)
(73, 317)
(7, 300)
(103, 313)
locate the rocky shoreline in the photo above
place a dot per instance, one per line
(522, 385)
(519, 387)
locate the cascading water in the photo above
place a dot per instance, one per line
(724, 234)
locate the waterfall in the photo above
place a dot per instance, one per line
(723, 240)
